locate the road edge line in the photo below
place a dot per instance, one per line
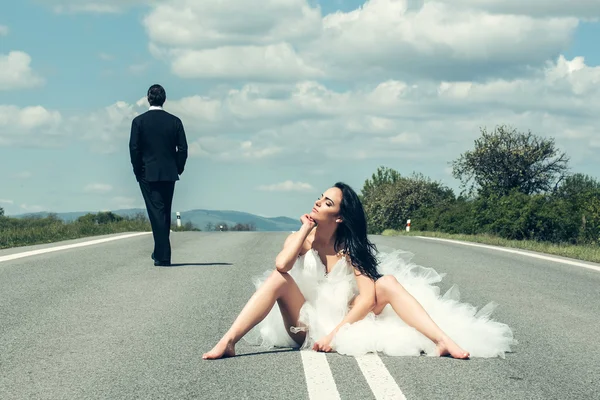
(30, 253)
(515, 251)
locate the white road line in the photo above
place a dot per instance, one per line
(319, 379)
(548, 258)
(378, 377)
(68, 246)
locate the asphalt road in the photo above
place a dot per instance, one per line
(101, 322)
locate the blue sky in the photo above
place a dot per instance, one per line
(280, 102)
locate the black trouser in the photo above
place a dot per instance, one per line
(159, 198)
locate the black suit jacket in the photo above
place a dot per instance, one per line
(157, 146)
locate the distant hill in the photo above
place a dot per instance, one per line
(200, 218)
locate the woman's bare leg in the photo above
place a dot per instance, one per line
(389, 291)
(279, 287)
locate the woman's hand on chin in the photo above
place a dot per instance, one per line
(307, 220)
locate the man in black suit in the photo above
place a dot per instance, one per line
(158, 150)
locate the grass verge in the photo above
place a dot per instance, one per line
(580, 252)
(17, 232)
(31, 234)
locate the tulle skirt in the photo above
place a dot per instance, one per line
(328, 298)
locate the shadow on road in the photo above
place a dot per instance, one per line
(265, 352)
(197, 264)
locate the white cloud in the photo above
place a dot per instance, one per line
(429, 120)
(32, 208)
(567, 88)
(121, 202)
(385, 38)
(24, 175)
(290, 40)
(106, 129)
(272, 62)
(213, 24)
(95, 6)
(16, 72)
(138, 68)
(415, 67)
(537, 8)
(4, 30)
(408, 139)
(406, 83)
(231, 150)
(263, 20)
(287, 186)
(5, 201)
(100, 188)
(197, 150)
(195, 109)
(34, 117)
(106, 56)
(30, 126)
(249, 151)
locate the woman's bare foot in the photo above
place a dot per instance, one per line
(446, 346)
(225, 348)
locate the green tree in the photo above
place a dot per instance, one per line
(187, 226)
(100, 218)
(383, 176)
(394, 199)
(244, 227)
(448, 216)
(1, 212)
(514, 216)
(577, 186)
(505, 160)
(578, 198)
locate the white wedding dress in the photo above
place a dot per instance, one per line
(327, 302)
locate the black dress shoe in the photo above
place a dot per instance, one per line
(162, 264)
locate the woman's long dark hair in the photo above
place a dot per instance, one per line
(351, 235)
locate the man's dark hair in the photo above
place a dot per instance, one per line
(156, 95)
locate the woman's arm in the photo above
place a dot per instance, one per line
(293, 244)
(363, 303)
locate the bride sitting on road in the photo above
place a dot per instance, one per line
(331, 291)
